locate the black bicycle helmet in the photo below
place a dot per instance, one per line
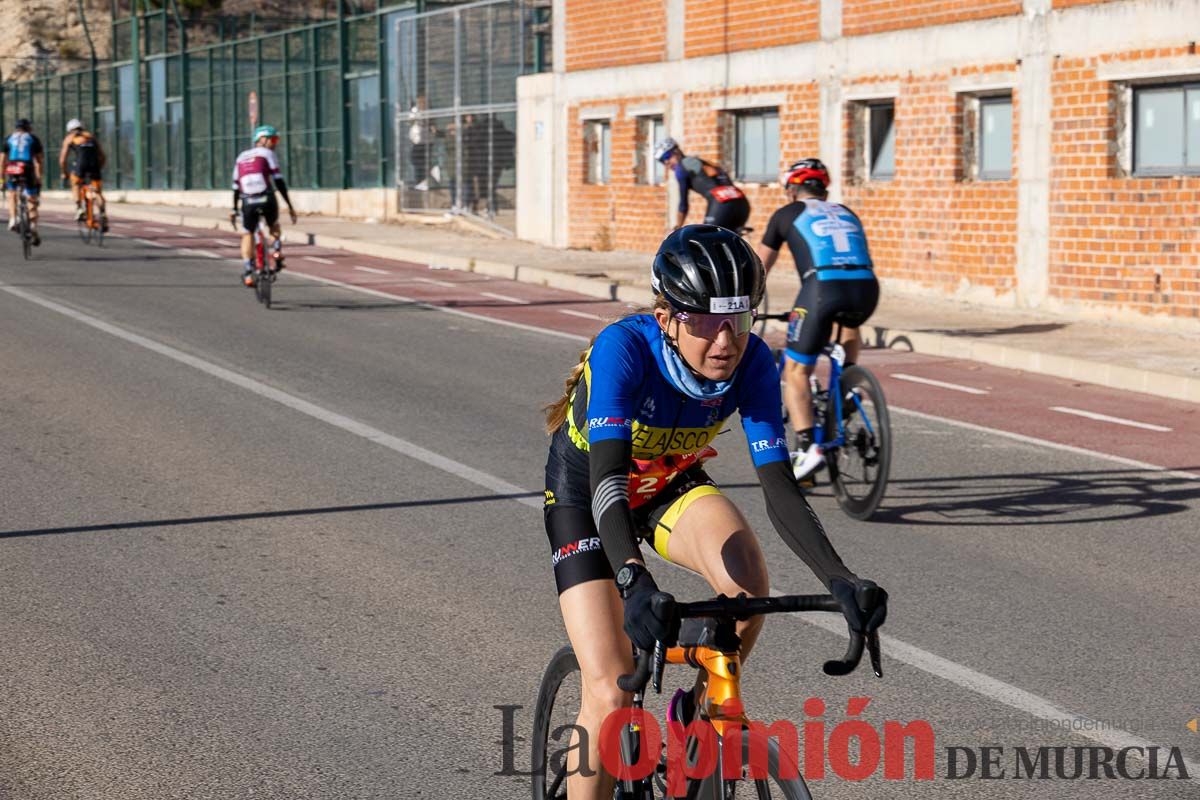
(23, 124)
(708, 269)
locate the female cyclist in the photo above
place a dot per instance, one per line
(630, 435)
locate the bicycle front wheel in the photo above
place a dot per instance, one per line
(561, 688)
(25, 229)
(85, 230)
(266, 279)
(858, 470)
(781, 781)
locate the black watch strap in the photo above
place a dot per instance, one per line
(627, 576)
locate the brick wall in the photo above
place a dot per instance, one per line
(630, 216)
(621, 214)
(718, 26)
(1115, 241)
(611, 33)
(927, 225)
(875, 16)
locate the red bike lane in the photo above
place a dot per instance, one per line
(1142, 428)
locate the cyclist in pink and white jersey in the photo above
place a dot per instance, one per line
(256, 176)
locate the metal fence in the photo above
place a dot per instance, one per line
(179, 99)
(456, 135)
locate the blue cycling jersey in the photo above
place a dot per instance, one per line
(629, 396)
(22, 146)
(834, 235)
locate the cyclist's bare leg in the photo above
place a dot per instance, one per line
(277, 242)
(593, 615)
(247, 246)
(712, 538)
(851, 341)
(77, 192)
(797, 394)
(33, 210)
(12, 204)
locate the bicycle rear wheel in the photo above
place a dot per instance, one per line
(267, 278)
(858, 470)
(85, 230)
(24, 228)
(560, 688)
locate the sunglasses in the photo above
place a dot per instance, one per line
(708, 326)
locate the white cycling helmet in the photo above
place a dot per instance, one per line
(74, 125)
(665, 148)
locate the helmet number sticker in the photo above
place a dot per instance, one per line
(728, 305)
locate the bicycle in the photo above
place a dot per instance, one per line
(265, 273)
(91, 229)
(16, 173)
(855, 434)
(708, 642)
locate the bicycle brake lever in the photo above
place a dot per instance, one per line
(875, 653)
(660, 659)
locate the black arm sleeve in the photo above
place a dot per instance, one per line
(797, 523)
(609, 462)
(282, 187)
(236, 197)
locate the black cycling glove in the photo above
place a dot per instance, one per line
(863, 602)
(650, 614)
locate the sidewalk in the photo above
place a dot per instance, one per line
(1140, 359)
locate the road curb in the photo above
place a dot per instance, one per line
(1159, 384)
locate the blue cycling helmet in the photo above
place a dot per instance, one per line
(265, 132)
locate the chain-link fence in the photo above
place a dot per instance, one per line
(179, 99)
(456, 130)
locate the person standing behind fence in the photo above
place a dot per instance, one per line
(727, 205)
(420, 136)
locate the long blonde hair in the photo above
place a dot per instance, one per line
(556, 412)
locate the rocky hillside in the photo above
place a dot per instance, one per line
(41, 37)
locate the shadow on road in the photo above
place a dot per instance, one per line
(1040, 498)
(295, 512)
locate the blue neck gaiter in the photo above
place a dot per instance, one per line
(684, 380)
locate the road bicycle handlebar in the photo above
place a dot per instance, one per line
(743, 607)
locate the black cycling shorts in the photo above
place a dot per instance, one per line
(731, 214)
(575, 549)
(259, 205)
(822, 303)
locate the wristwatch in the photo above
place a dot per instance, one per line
(627, 576)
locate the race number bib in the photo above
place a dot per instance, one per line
(723, 194)
(254, 183)
(14, 168)
(649, 478)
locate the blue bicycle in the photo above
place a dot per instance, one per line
(853, 428)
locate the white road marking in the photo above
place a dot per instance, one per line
(581, 314)
(505, 298)
(957, 387)
(318, 259)
(896, 649)
(184, 234)
(455, 311)
(187, 251)
(153, 244)
(154, 230)
(373, 270)
(1132, 423)
(1066, 448)
(446, 284)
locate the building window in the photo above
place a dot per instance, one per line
(597, 151)
(987, 143)
(995, 138)
(756, 145)
(650, 131)
(1166, 135)
(881, 141)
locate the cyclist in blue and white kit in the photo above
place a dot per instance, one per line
(630, 436)
(23, 158)
(837, 284)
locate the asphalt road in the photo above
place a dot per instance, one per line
(299, 553)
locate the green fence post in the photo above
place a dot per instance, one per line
(139, 180)
(344, 112)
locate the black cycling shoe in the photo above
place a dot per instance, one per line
(37, 239)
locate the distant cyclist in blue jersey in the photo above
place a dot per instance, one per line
(727, 205)
(837, 284)
(22, 162)
(630, 436)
